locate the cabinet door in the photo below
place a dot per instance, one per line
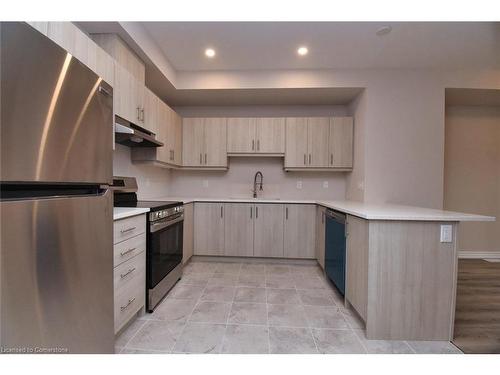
(238, 219)
(320, 236)
(151, 104)
(341, 142)
(42, 27)
(296, 143)
(215, 142)
(241, 135)
(299, 231)
(187, 241)
(105, 66)
(193, 140)
(127, 96)
(209, 229)
(270, 135)
(177, 149)
(268, 232)
(318, 132)
(163, 134)
(69, 37)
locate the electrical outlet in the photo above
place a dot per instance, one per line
(205, 183)
(446, 233)
(299, 184)
(325, 184)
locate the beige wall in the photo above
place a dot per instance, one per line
(472, 173)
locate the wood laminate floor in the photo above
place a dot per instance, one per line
(477, 318)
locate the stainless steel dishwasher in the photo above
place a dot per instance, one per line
(335, 248)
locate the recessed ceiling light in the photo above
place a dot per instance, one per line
(384, 30)
(302, 51)
(210, 52)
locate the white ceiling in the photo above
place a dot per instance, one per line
(332, 45)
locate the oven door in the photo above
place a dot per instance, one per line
(164, 248)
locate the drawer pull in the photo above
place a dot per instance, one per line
(123, 253)
(130, 301)
(123, 275)
(128, 230)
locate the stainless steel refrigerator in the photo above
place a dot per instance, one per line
(56, 209)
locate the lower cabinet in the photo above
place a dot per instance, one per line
(239, 229)
(320, 236)
(299, 231)
(268, 230)
(209, 229)
(129, 273)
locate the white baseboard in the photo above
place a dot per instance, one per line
(479, 254)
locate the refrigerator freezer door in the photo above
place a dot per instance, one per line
(57, 274)
(57, 115)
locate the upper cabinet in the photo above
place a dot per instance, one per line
(128, 98)
(204, 143)
(256, 136)
(319, 143)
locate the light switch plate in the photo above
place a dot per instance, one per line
(299, 184)
(446, 233)
(325, 184)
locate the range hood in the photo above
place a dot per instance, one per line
(131, 135)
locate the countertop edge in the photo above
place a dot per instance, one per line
(124, 212)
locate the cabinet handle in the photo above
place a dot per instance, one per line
(138, 113)
(142, 112)
(309, 159)
(221, 212)
(123, 275)
(331, 159)
(304, 159)
(256, 212)
(250, 212)
(130, 301)
(123, 253)
(253, 144)
(205, 158)
(201, 162)
(286, 213)
(127, 230)
(258, 144)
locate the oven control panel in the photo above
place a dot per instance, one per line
(161, 214)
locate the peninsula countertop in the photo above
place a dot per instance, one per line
(124, 212)
(369, 211)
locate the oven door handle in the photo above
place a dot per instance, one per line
(154, 227)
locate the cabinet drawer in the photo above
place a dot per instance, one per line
(130, 272)
(127, 249)
(128, 303)
(129, 227)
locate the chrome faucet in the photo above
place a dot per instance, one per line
(255, 183)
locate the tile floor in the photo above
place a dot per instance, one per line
(249, 307)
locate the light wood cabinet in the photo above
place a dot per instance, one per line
(296, 146)
(239, 231)
(204, 142)
(319, 143)
(241, 135)
(318, 130)
(320, 236)
(299, 231)
(268, 224)
(256, 136)
(105, 66)
(209, 229)
(188, 232)
(151, 111)
(176, 147)
(69, 37)
(128, 97)
(270, 135)
(341, 142)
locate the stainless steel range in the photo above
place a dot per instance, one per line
(163, 241)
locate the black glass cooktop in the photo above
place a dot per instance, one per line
(153, 205)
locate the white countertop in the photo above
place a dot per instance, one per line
(367, 211)
(123, 212)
